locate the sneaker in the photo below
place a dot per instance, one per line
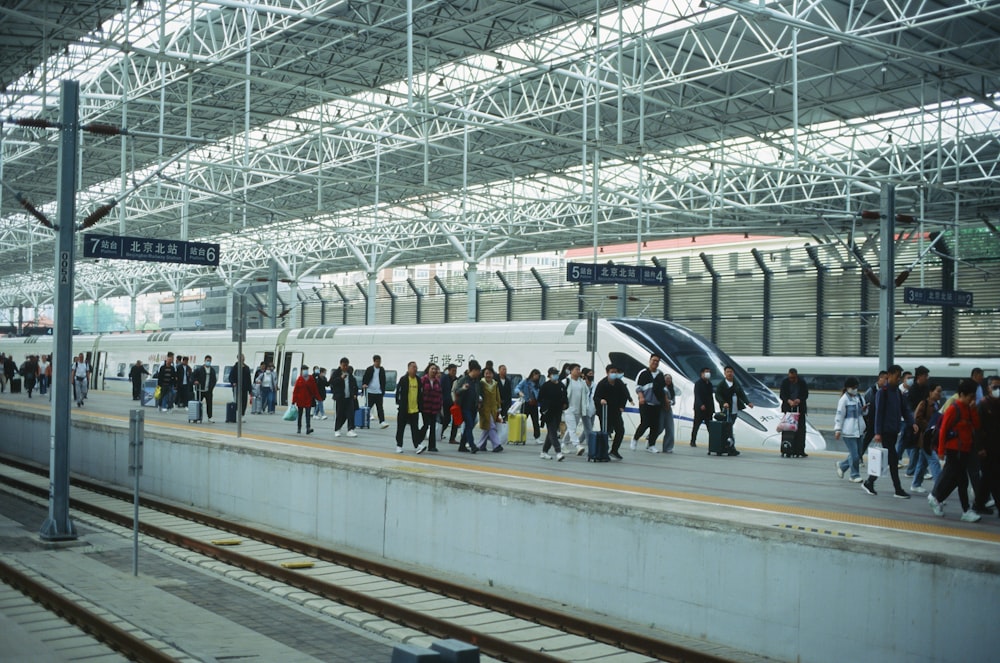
(497, 450)
(384, 424)
(936, 506)
(991, 503)
(422, 448)
(631, 445)
(901, 494)
(868, 489)
(856, 479)
(539, 440)
(310, 431)
(559, 456)
(615, 455)
(917, 489)
(399, 450)
(324, 417)
(351, 433)
(544, 456)
(970, 517)
(210, 420)
(928, 475)
(652, 450)
(580, 449)
(840, 472)
(336, 433)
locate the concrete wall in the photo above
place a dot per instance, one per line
(721, 574)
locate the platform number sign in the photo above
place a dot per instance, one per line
(581, 272)
(150, 249)
(937, 297)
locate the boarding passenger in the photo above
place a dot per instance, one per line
(166, 380)
(527, 391)
(304, 396)
(408, 409)
(319, 375)
(43, 372)
(431, 404)
(577, 395)
(732, 399)
(588, 415)
(184, 383)
(869, 398)
(670, 394)
(204, 381)
(916, 392)
(704, 403)
(29, 371)
(958, 426)
(506, 390)
(978, 377)
(849, 426)
(343, 388)
(239, 369)
(489, 411)
(986, 445)
(9, 369)
(552, 401)
(136, 376)
(794, 393)
(465, 392)
(649, 387)
(890, 415)
(447, 381)
(373, 383)
(268, 382)
(927, 416)
(611, 395)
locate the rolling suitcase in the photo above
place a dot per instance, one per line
(517, 432)
(194, 408)
(231, 413)
(363, 417)
(720, 438)
(15, 385)
(597, 443)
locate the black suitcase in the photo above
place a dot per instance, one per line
(15, 385)
(230, 413)
(787, 444)
(597, 444)
(720, 434)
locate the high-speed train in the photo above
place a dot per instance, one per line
(521, 346)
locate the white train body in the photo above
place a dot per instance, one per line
(521, 346)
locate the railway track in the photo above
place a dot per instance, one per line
(503, 628)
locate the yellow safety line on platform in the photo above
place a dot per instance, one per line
(834, 516)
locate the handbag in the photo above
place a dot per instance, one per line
(878, 461)
(157, 393)
(789, 422)
(291, 414)
(456, 414)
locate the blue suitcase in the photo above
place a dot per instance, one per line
(363, 417)
(597, 443)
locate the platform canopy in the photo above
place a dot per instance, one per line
(343, 135)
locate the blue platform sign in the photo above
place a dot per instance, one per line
(937, 297)
(580, 272)
(150, 250)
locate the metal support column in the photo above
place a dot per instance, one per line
(715, 294)
(472, 290)
(887, 261)
(58, 526)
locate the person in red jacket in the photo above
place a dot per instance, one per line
(304, 396)
(958, 425)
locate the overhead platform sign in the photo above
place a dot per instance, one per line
(582, 272)
(150, 250)
(937, 297)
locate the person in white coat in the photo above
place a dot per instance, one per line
(849, 426)
(580, 404)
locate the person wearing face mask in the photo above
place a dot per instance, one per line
(731, 399)
(704, 403)
(552, 401)
(927, 416)
(849, 426)
(527, 391)
(959, 423)
(204, 379)
(610, 396)
(986, 446)
(916, 392)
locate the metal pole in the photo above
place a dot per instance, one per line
(887, 260)
(136, 426)
(58, 526)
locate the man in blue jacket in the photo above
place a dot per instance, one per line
(890, 415)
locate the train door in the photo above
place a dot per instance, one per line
(291, 364)
(97, 374)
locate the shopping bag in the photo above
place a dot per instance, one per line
(456, 414)
(292, 413)
(878, 461)
(502, 432)
(157, 393)
(515, 407)
(789, 422)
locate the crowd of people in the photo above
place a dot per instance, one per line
(956, 443)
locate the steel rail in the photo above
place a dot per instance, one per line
(121, 641)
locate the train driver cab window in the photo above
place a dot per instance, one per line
(629, 366)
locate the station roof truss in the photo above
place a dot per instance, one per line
(341, 135)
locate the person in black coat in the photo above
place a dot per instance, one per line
(344, 390)
(373, 382)
(506, 387)
(234, 375)
(204, 379)
(552, 400)
(408, 397)
(793, 394)
(613, 393)
(135, 376)
(704, 403)
(731, 399)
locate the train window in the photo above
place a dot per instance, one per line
(629, 366)
(121, 370)
(390, 380)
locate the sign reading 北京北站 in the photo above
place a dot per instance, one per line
(150, 250)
